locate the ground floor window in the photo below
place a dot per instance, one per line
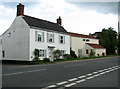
(3, 54)
(79, 52)
(42, 53)
(87, 51)
(62, 52)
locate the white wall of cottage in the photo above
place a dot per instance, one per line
(15, 41)
(44, 45)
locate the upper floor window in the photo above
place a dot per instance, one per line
(62, 39)
(87, 40)
(50, 37)
(39, 36)
(9, 34)
(83, 39)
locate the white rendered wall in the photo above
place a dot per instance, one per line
(78, 43)
(16, 46)
(44, 45)
(100, 51)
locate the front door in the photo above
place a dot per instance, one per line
(51, 54)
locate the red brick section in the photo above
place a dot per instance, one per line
(59, 21)
(20, 9)
(96, 46)
(81, 35)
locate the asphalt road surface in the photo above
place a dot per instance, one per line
(101, 72)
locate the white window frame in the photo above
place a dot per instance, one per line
(42, 53)
(50, 37)
(39, 36)
(61, 40)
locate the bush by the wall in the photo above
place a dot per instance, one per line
(67, 56)
(72, 53)
(46, 60)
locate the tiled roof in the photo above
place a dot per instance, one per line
(39, 23)
(96, 46)
(81, 35)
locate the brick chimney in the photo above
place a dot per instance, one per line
(20, 9)
(59, 21)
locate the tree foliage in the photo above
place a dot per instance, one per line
(107, 39)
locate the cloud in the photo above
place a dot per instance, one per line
(74, 18)
(100, 7)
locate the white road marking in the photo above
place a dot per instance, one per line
(89, 74)
(61, 83)
(81, 76)
(69, 85)
(100, 70)
(51, 86)
(95, 72)
(90, 77)
(81, 81)
(72, 79)
(22, 72)
(96, 75)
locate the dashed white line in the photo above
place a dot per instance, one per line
(61, 83)
(89, 74)
(72, 79)
(81, 76)
(90, 77)
(95, 72)
(81, 81)
(51, 86)
(69, 85)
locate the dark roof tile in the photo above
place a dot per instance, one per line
(39, 23)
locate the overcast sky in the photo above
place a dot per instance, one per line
(78, 17)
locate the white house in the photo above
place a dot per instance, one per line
(84, 44)
(29, 33)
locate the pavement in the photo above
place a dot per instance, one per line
(101, 73)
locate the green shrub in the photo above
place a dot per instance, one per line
(46, 60)
(103, 54)
(92, 54)
(36, 59)
(57, 54)
(72, 53)
(67, 56)
(36, 55)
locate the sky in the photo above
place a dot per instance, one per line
(78, 17)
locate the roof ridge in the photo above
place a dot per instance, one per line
(92, 37)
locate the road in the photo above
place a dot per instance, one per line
(101, 72)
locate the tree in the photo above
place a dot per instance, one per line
(107, 39)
